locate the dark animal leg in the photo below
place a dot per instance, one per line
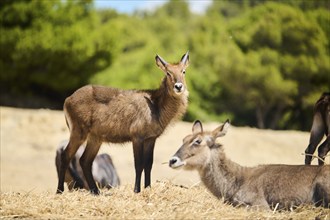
(317, 133)
(320, 196)
(324, 148)
(86, 162)
(66, 156)
(77, 182)
(138, 162)
(148, 152)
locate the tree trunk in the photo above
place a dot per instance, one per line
(276, 117)
(260, 117)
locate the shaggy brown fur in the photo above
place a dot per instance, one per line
(284, 186)
(99, 114)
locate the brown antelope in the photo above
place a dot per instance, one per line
(103, 170)
(284, 186)
(320, 127)
(99, 114)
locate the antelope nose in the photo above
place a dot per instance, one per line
(172, 161)
(178, 86)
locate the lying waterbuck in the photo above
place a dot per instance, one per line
(320, 127)
(266, 186)
(99, 114)
(103, 170)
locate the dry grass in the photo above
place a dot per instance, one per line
(163, 201)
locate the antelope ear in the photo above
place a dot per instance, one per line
(185, 60)
(161, 63)
(221, 130)
(197, 127)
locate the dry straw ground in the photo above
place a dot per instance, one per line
(163, 201)
(29, 139)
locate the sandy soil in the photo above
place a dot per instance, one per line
(29, 139)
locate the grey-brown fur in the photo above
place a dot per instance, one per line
(101, 114)
(320, 128)
(266, 186)
(103, 169)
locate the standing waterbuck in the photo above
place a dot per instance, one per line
(99, 114)
(266, 186)
(320, 127)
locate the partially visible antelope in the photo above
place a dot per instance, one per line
(320, 127)
(103, 170)
(266, 186)
(99, 114)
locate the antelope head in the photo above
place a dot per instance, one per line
(196, 149)
(175, 73)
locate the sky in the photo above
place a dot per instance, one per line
(129, 6)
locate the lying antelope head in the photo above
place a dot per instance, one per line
(196, 149)
(175, 73)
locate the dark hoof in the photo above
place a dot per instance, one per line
(308, 160)
(95, 192)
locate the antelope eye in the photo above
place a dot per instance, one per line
(168, 74)
(184, 72)
(197, 141)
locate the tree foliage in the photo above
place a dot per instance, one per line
(260, 63)
(50, 48)
(286, 54)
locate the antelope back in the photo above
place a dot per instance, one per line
(175, 73)
(196, 149)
